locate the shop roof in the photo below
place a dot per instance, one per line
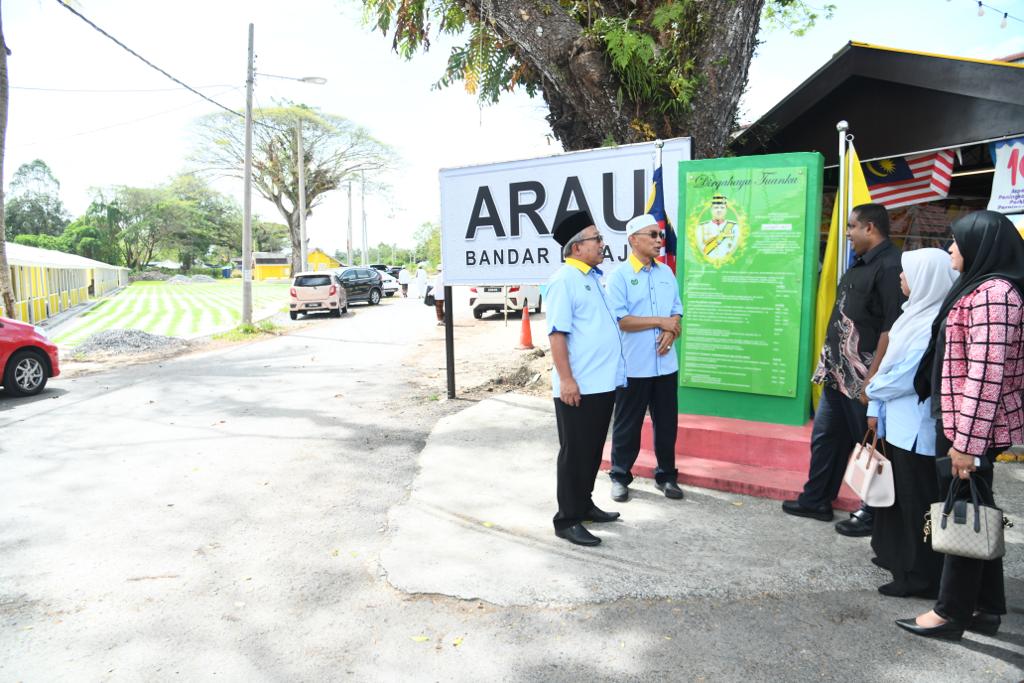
(896, 102)
(23, 255)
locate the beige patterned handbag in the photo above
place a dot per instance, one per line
(966, 528)
(869, 473)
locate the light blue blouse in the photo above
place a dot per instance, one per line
(902, 420)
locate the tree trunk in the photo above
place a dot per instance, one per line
(6, 290)
(581, 90)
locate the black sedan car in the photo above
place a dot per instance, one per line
(361, 284)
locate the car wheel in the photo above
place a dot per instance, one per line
(374, 297)
(478, 313)
(25, 374)
(539, 300)
(335, 312)
(293, 315)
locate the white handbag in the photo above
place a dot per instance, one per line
(869, 473)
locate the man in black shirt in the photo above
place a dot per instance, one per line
(868, 301)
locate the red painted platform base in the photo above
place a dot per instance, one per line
(753, 458)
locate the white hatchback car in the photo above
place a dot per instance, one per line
(500, 298)
(388, 284)
(317, 291)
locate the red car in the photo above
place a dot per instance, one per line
(27, 358)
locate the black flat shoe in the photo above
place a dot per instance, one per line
(579, 535)
(985, 623)
(793, 507)
(858, 524)
(596, 514)
(670, 489)
(951, 630)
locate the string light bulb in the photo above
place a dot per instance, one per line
(981, 9)
(1002, 23)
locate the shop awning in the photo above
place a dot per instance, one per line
(896, 101)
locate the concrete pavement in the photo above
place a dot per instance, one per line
(303, 509)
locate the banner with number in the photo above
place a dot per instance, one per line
(1008, 183)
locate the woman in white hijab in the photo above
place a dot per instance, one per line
(909, 430)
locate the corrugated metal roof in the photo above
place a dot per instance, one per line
(21, 255)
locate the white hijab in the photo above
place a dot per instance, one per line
(930, 277)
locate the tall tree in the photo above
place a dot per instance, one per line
(611, 71)
(6, 290)
(33, 206)
(334, 150)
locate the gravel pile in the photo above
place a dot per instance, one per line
(127, 342)
(180, 280)
(149, 276)
(202, 278)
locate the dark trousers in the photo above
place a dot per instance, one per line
(839, 424)
(968, 585)
(439, 308)
(582, 431)
(658, 394)
(896, 537)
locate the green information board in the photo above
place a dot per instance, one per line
(747, 276)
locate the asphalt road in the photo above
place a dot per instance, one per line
(225, 516)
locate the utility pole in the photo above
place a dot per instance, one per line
(247, 194)
(362, 202)
(300, 157)
(348, 243)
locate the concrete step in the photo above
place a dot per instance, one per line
(760, 444)
(763, 482)
(753, 458)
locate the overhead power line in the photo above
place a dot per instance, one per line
(116, 90)
(145, 61)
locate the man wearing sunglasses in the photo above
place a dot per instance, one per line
(588, 367)
(645, 300)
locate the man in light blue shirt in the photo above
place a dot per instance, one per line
(588, 368)
(644, 297)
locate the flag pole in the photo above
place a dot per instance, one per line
(841, 201)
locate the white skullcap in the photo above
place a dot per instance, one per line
(644, 220)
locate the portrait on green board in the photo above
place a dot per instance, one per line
(720, 233)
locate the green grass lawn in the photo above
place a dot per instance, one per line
(186, 310)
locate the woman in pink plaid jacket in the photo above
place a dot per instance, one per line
(974, 373)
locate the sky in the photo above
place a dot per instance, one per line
(99, 117)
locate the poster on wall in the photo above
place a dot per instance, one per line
(743, 276)
(1008, 182)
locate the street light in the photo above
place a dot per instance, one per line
(247, 182)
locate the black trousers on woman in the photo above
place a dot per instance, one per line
(897, 537)
(968, 585)
(582, 431)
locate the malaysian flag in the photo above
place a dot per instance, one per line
(903, 181)
(656, 208)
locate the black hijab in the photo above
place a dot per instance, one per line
(991, 248)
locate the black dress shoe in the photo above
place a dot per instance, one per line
(857, 525)
(596, 514)
(893, 590)
(793, 507)
(951, 630)
(578, 534)
(670, 489)
(984, 623)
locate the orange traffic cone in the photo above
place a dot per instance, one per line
(525, 336)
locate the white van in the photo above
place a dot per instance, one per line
(503, 298)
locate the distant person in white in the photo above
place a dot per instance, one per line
(421, 282)
(403, 280)
(438, 293)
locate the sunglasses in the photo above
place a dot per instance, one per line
(655, 234)
(598, 238)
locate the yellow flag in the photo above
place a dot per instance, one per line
(826, 298)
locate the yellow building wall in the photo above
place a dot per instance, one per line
(266, 272)
(318, 260)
